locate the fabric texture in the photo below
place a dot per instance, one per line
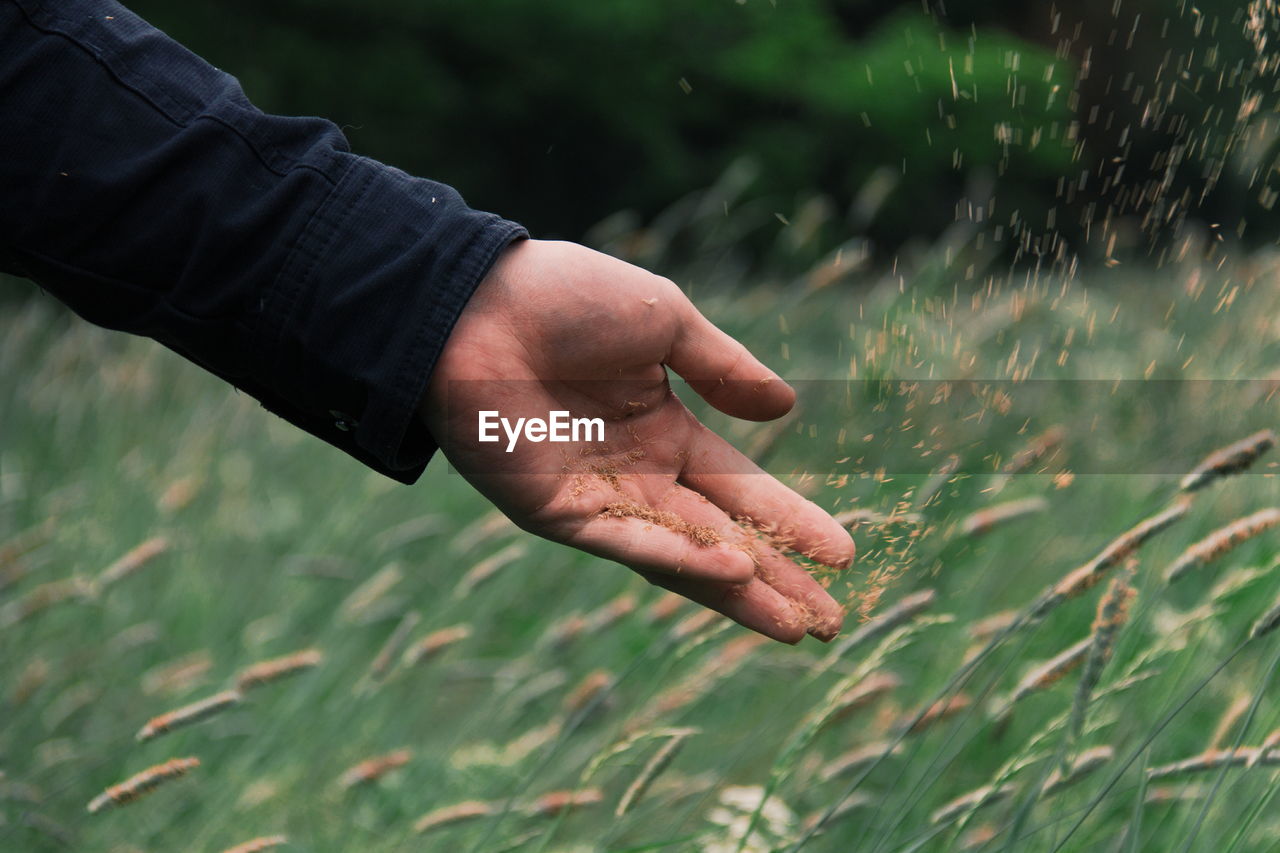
(140, 187)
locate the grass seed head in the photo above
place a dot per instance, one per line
(254, 845)
(592, 687)
(1221, 541)
(921, 721)
(1268, 745)
(273, 670)
(1088, 575)
(1080, 767)
(132, 561)
(855, 759)
(455, 814)
(372, 769)
(1215, 759)
(189, 714)
(364, 600)
(978, 798)
(658, 762)
(610, 613)
(665, 607)
(985, 520)
(488, 568)
(557, 802)
(434, 644)
(46, 596)
(1229, 460)
(1267, 622)
(394, 643)
(142, 783)
(178, 675)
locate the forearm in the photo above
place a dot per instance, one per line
(143, 189)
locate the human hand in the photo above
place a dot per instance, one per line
(559, 327)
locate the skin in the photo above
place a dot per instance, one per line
(556, 326)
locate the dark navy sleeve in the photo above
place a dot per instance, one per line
(139, 186)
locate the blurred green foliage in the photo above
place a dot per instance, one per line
(561, 112)
(1095, 127)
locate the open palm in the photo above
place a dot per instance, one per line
(558, 327)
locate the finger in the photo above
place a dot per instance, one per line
(647, 546)
(754, 605)
(725, 373)
(739, 487)
(823, 616)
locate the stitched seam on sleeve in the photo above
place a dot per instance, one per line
(178, 113)
(314, 241)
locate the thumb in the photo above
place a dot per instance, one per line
(725, 373)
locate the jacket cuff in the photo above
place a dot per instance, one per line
(363, 306)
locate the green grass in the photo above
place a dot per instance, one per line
(94, 428)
